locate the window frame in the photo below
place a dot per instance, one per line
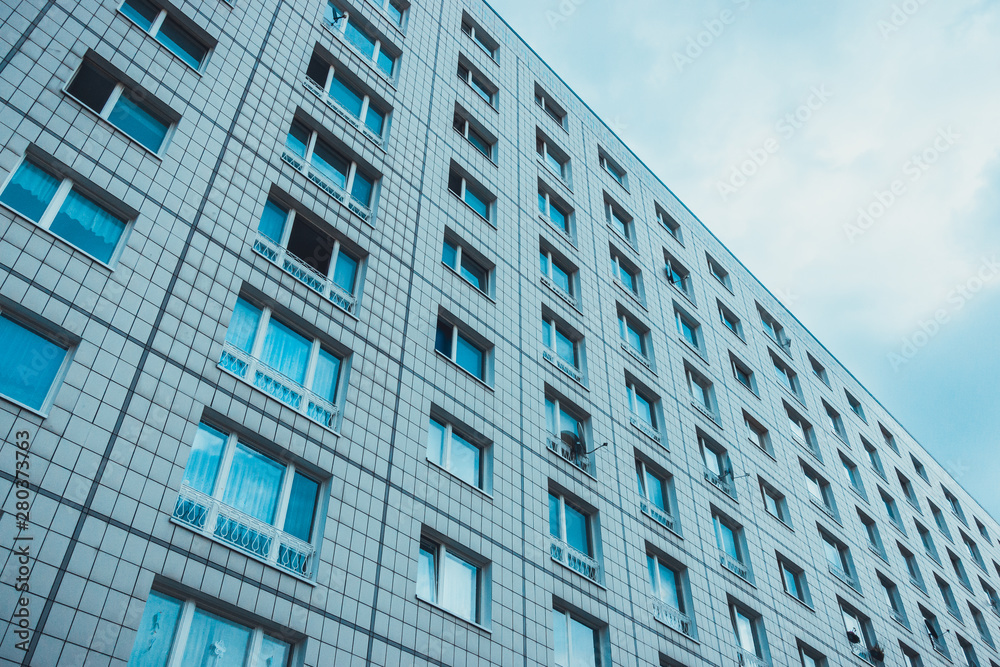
(761, 435)
(719, 273)
(678, 276)
(634, 392)
(183, 23)
(756, 625)
(459, 332)
(799, 579)
(856, 407)
(621, 264)
(790, 383)
(644, 469)
(818, 370)
(479, 83)
(740, 367)
(552, 109)
(853, 476)
(549, 201)
(554, 259)
(615, 215)
(611, 166)
(543, 149)
(472, 29)
(835, 423)
(472, 127)
(740, 560)
(686, 323)
(50, 334)
(669, 223)
(369, 102)
(484, 473)
(778, 499)
(629, 324)
(552, 328)
(825, 499)
(732, 323)
(463, 256)
(441, 550)
(338, 24)
(477, 191)
(571, 618)
(706, 402)
(774, 330)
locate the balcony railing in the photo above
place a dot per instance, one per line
(559, 291)
(837, 570)
(566, 236)
(259, 375)
(558, 362)
(898, 617)
(579, 562)
(656, 514)
(351, 119)
(748, 659)
(307, 275)
(218, 521)
(720, 482)
(335, 191)
(637, 355)
(671, 617)
(555, 444)
(734, 565)
(824, 507)
(644, 428)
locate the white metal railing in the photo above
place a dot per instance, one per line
(637, 355)
(897, 616)
(671, 617)
(559, 230)
(559, 292)
(837, 570)
(644, 428)
(575, 560)
(734, 565)
(335, 191)
(306, 274)
(719, 481)
(558, 362)
(338, 32)
(823, 506)
(353, 120)
(555, 444)
(749, 659)
(218, 521)
(253, 371)
(656, 514)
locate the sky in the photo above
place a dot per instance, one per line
(849, 154)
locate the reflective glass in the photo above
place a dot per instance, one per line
(243, 326)
(156, 630)
(30, 191)
(566, 349)
(465, 460)
(655, 491)
(272, 221)
(450, 255)
(301, 507)
(29, 364)
(141, 12)
(181, 42)
(327, 374)
(346, 96)
(426, 584)
(459, 587)
(478, 205)
(584, 644)
(216, 642)
(435, 442)
(253, 484)
(203, 461)
(356, 36)
(469, 357)
(576, 530)
(345, 272)
(138, 123)
(330, 164)
(286, 351)
(88, 226)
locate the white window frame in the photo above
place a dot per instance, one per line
(467, 129)
(445, 464)
(613, 214)
(570, 646)
(680, 585)
(666, 484)
(569, 231)
(670, 224)
(464, 187)
(856, 406)
(874, 459)
(739, 367)
(617, 267)
(473, 32)
(366, 100)
(625, 325)
(719, 273)
(54, 338)
(547, 157)
(789, 378)
(479, 84)
(737, 325)
(706, 399)
(685, 286)
(619, 174)
(553, 328)
(835, 422)
(549, 275)
(551, 109)
(739, 541)
(756, 628)
(682, 319)
(779, 500)
(654, 405)
(441, 552)
(758, 435)
(798, 576)
(853, 476)
(154, 32)
(823, 487)
(460, 253)
(456, 332)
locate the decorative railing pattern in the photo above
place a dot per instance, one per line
(637, 355)
(351, 119)
(826, 509)
(656, 514)
(644, 428)
(671, 617)
(307, 275)
(218, 521)
(720, 482)
(578, 562)
(748, 659)
(335, 191)
(734, 565)
(559, 292)
(556, 445)
(556, 361)
(837, 570)
(241, 365)
(705, 411)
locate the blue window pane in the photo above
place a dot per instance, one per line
(480, 143)
(561, 635)
(559, 218)
(243, 326)
(435, 442)
(395, 12)
(474, 273)
(553, 515)
(542, 204)
(330, 164)
(346, 96)
(298, 139)
(426, 584)
(28, 364)
(253, 484)
(478, 205)
(30, 191)
(362, 188)
(459, 592)
(272, 221)
(203, 461)
(345, 273)
(356, 36)
(141, 12)
(138, 123)
(576, 530)
(155, 634)
(208, 633)
(465, 460)
(274, 652)
(644, 410)
(327, 376)
(566, 349)
(469, 357)
(386, 63)
(181, 43)
(654, 488)
(561, 278)
(585, 643)
(450, 255)
(89, 227)
(286, 351)
(301, 507)
(375, 120)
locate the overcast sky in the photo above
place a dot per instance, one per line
(888, 107)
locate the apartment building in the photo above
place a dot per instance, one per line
(342, 332)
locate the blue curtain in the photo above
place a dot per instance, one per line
(88, 226)
(30, 191)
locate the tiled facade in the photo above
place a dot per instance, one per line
(114, 519)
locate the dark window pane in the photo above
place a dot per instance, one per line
(140, 11)
(317, 70)
(184, 45)
(449, 254)
(474, 273)
(442, 342)
(310, 245)
(301, 507)
(91, 86)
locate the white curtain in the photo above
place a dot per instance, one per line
(327, 373)
(30, 191)
(253, 484)
(156, 631)
(88, 226)
(286, 351)
(243, 326)
(203, 462)
(215, 642)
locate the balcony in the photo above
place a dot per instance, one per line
(656, 514)
(556, 445)
(579, 562)
(734, 565)
(304, 273)
(898, 617)
(254, 372)
(222, 523)
(335, 191)
(748, 659)
(351, 119)
(837, 570)
(638, 356)
(644, 428)
(572, 371)
(671, 617)
(720, 482)
(559, 291)
(826, 509)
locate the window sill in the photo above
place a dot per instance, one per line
(703, 411)
(561, 124)
(477, 213)
(618, 235)
(481, 492)
(389, 79)
(582, 463)
(563, 234)
(364, 213)
(688, 297)
(780, 521)
(558, 291)
(559, 177)
(878, 552)
(39, 413)
(104, 121)
(164, 47)
(668, 522)
(650, 432)
(752, 391)
(632, 295)
(573, 373)
(491, 105)
(859, 493)
(801, 602)
(638, 356)
(477, 379)
(72, 248)
(294, 267)
(672, 235)
(466, 281)
(437, 607)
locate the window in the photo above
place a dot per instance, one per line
(690, 330)
(478, 82)
(669, 223)
(462, 348)
(959, 567)
(802, 432)
(852, 476)
(956, 507)
(855, 406)
(303, 247)
(859, 627)
(563, 346)
(907, 487)
(678, 276)
(574, 536)
(968, 652)
(810, 657)
(576, 643)
(645, 408)
(449, 580)
(168, 30)
(834, 422)
(626, 274)
(176, 632)
(918, 467)
(482, 39)
(702, 394)
(891, 510)
(793, 578)
(743, 374)
(718, 467)
(337, 174)
(947, 596)
(991, 595)
(838, 559)
(732, 545)
(981, 625)
(467, 263)
(619, 221)
(474, 133)
(463, 456)
(730, 320)
(395, 9)
(889, 439)
(757, 434)
(667, 581)
(550, 106)
(348, 96)
(874, 538)
(363, 38)
(558, 274)
(567, 428)
(775, 502)
(774, 330)
(474, 195)
(616, 171)
(820, 492)
(873, 458)
(719, 273)
(300, 371)
(787, 378)
(933, 630)
(129, 108)
(818, 370)
(911, 567)
(57, 204)
(982, 530)
(925, 538)
(749, 629)
(635, 336)
(250, 500)
(939, 519)
(552, 156)
(893, 601)
(555, 211)
(656, 493)
(910, 657)
(33, 362)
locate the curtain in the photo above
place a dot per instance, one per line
(286, 351)
(301, 507)
(88, 226)
(459, 594)
(29, 364)
(655, 489)
(30, 191)
(272, 221)
(203, 462)
(156, 631)
(464, 460)
(435, 442)
(326, 376)
(273, 653)
(243, 326)
(138, 123)
(254, 484)
(215, 642)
